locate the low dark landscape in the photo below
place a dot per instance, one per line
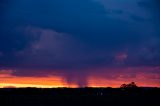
(80, 96)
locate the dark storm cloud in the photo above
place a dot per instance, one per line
(77, 34)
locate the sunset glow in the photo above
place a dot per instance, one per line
(94, 79)
(41, 82)
(54, 82)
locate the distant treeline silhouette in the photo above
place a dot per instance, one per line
(127, 95)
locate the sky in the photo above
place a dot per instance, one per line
(79, 43)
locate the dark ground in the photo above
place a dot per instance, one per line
(80, 97)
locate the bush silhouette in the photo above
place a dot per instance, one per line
(130, 85)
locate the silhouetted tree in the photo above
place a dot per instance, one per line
(123, 86)
(130, 85)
